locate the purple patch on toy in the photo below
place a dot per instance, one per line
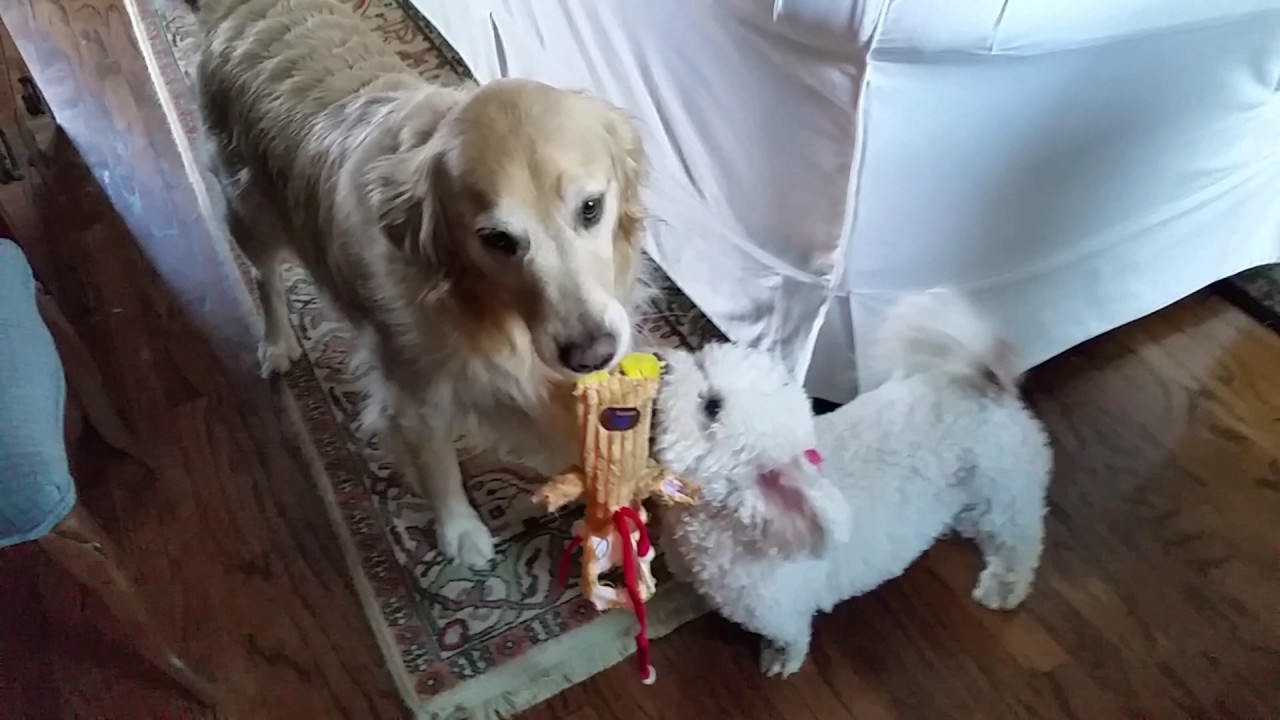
(672, 488)
(619, 419)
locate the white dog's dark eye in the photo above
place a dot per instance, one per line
(712, 403)
(590, 211)
(500, 241)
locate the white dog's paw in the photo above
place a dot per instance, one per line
(999, 590)
(465, 539)
(275, 358)
(780, 661)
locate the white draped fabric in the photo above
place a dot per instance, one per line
(1071, 164)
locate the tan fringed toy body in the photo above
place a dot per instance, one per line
(614, 479)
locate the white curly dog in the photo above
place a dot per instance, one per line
(799, 514)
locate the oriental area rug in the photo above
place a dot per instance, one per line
(459, 644)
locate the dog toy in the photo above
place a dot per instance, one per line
(615, 477)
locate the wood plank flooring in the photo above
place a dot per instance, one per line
(231, 545)
(1159, 595)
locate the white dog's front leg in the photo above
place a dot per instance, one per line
(784, 648)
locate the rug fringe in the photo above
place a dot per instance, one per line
(564, 662)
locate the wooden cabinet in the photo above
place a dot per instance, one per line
(27, 133)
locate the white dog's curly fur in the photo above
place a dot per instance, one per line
(945, 444)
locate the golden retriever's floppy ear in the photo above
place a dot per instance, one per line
(629, 167)
(400, 188)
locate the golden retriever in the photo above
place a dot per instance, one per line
(483, 241)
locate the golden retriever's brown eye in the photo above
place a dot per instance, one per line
(500, 241)
(590, 211)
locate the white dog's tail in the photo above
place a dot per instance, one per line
(942, 330)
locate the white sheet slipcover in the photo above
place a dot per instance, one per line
(1072, 164)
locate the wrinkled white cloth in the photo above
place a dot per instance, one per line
(1071, 165)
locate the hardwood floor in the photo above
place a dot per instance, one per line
(1159, 595)
(231, 545)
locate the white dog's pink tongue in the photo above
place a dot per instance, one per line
(813, 456)
(779, 491)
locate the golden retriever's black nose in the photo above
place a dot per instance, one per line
(588, 353)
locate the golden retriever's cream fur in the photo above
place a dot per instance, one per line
(484, 241)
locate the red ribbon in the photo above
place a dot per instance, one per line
(630, 571)
(631, 555)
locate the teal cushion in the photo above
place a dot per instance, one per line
(36, 489)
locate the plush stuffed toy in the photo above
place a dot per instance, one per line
(615, 477)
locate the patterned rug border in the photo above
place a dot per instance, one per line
(536, 674)
(430, 32)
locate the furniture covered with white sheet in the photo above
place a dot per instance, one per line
(1072, 164)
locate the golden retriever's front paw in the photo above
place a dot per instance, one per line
(466, 540)
(275, 358)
